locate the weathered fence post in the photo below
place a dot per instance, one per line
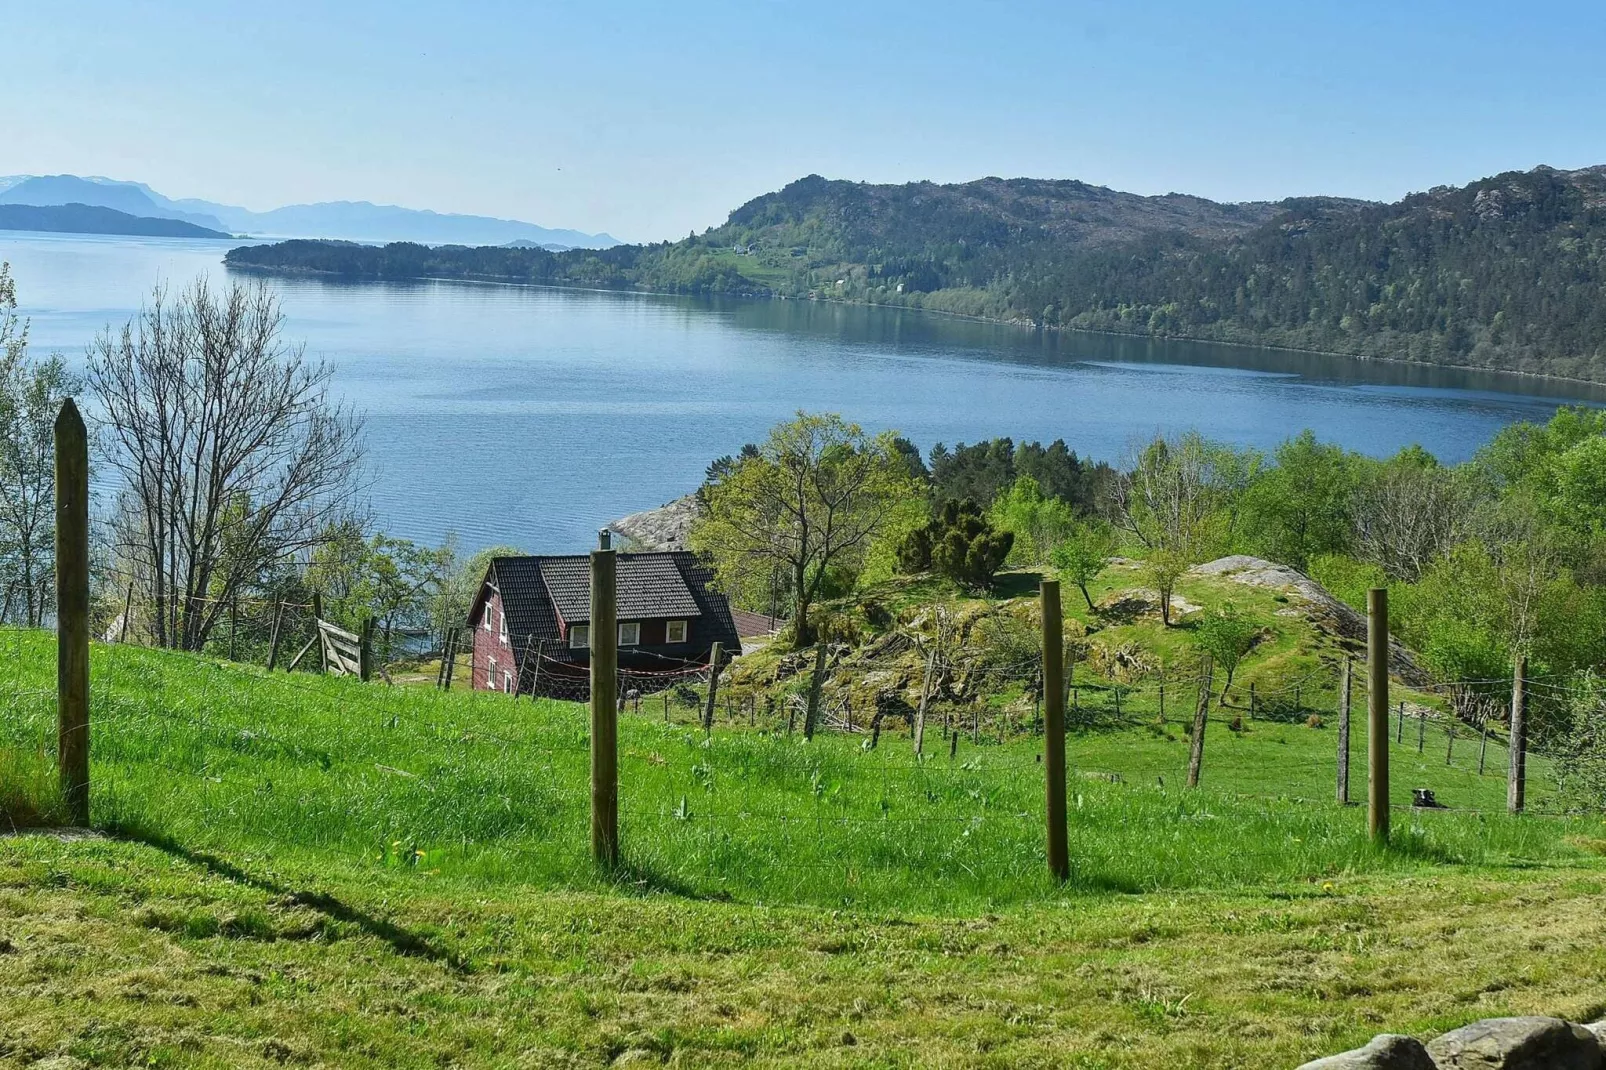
(604, 656)
(234, 625)
(925, 696)
(1421, 727)
(1483, 747)
(812, 714)
(1399, 724)
(1252, 696)
(450, 668)
(1343, 731)
(1201, 716)
(365, 650)
(317, 615)
(1059, 861)
(128, 609)
(1377, 707)
(72, 611)
(273, 638)
(1162, 702)
(1517, 776)
(1449, 742)
(713, 689)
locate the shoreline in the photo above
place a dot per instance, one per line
(1597, 386)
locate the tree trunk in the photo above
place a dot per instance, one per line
(1091, 608)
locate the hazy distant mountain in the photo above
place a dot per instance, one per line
(127, 197)
(94, 219)
(341, 220)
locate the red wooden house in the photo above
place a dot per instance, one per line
(531, 608)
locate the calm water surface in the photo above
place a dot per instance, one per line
(532, 416)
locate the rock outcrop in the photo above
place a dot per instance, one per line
(1526, 1043)
(664, 528)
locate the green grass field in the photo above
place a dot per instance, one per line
(317, 871)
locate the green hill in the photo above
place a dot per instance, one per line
(311, 870)
(1503, 273)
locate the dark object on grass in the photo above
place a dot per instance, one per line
(1389, 1051)
(1423, 797)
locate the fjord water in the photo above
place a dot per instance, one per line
(531, 416)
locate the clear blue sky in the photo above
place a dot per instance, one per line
(650, 119)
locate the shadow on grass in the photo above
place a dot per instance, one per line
(402, 941)
(644, 878)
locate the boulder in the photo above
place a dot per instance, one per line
(1390, 1051)
(1529, 1043)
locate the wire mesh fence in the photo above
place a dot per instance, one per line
(222, 750)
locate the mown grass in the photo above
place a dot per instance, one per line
(317, 872)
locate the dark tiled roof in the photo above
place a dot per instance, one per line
(753, 625)
(524, 582)
(650, 588)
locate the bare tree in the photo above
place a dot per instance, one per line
(1407, 514)
(234, 458)
(1178, 497)
(31, 393)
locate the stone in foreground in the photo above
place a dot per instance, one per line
(1390, 1051)
(1529, 1043)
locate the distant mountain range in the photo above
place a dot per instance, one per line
(93, 219)
(357, 221)
(1508, 272)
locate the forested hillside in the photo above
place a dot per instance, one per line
(1508, 272)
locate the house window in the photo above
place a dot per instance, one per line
(629, 634)
(675, 631)
(504, 629)
(579, 636)
(490, 675)
(507, 683)
(488, 612)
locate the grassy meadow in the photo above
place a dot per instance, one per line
(309, 870)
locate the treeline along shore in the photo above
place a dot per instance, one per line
(1506, 273)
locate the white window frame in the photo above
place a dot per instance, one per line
(490, 674)
(503, 627)
(629, 633)
(669, 631)
(489, 609)
(579, 637)
(507, 682)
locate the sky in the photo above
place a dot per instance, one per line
(649, 120)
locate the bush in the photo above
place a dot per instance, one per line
(957, 543)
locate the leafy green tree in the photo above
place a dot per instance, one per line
(1227, 636)
(808, 505)
(1083, 553)
(1299, 507)
(31, 393)
(1038, 523)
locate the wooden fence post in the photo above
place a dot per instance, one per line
(1483, 747)
(317, 615)
(1421, 728)
(234, 625)
(1059, 861)
(1343, 731)
(1517, 775)
(713, 689)
(1377, 708)
(1162, 702)
(449, 669)
(535, 671)
(365, 651)
(72, 611)
(128, 609)
(925, 696)
(1399, 724)
(812, 714)
(1449, 742)
(273, 639)
(1201, 717)
(1252, 696)
(604, 656)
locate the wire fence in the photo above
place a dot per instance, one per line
(727, 791)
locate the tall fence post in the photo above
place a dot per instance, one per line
(365, 650)
(1201, 717)
(72, 611)
(925, 696)
(1517, 777)
(1377, 708)
(1449, 742)
(1483, 747)
(1059, 860)
(812, 714)
(1421, 727)
(604, 707)
(713, 689)
(273, 638)
(1344, 677)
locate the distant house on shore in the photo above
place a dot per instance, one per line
(537, 610)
